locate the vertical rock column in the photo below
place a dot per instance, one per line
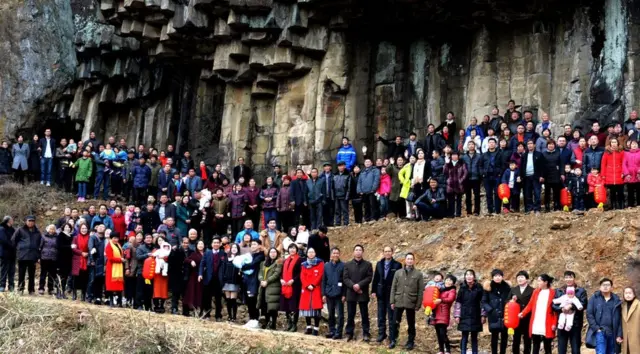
(537, 66)
(418, 81)
(384, 94)
(481, 92)
(262, 118)
(357, 121)
(632, 67)
(235, 133)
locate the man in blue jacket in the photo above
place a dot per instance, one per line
(248, 229)
(346, 154)
(333, 293)
(141, 176)
(102, 218)
(193, 182)
(102, 178)
(604, 315)
(368, 183)
(209, 275)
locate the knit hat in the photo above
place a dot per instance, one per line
(571, 290)
(496, 272)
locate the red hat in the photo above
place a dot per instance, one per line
(286, 178)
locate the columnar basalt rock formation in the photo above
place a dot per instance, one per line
(281, 81)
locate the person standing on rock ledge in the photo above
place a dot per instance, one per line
(358, 274)
(347, 154)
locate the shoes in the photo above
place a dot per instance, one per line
(252, 324)
(381, 338)
(409, 346)
(308, 330)
(42, 182)
(337, 336)
(48, 184)
(40, 292)
(392, 345)
(350, 337)
(315, 332)
(329, 335)
(366, 338)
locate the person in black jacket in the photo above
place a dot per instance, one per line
(395, 148)
(494, 299)
(241, 170)
(7, 254)
(574, 336)
(341, 191)
(319, 241)
(5, 159)
(531, 171)
(381, 290)
(450, 124)
(298, 195)
(333, 293)
(491, 170)
(150, 220)
(521, 294)
(432, 142)
(553, 176)
(356, 199)
(358, 274)
(468, 311)
(250, 283)
(65, 256)
(26, 240)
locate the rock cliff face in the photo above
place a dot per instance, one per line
(281, 81)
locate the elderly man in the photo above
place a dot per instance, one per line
(248, 228)
(26, 240)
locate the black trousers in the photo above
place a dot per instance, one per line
(7, 273)
(521, 334)
(537, 339)
(130, 289)
(572, 337)
(385, 313)
(371, 208)
(98, 288)
(236, 226)
(465, 341)
(341, 212)
(399, 207)
(454, 204)
(356, 204)
(411, 322)
(18, 176)
(633, 194)
(351, 317)
(443, 339)
(302, 211)
(254, 215)
(209, 292)
(328, 211)
(503, 338)
(48, 275)
(472, 187)
(144, 293)
(80, 283)
(616, 195)
(23, 268)
(555, 189)
(286, 220)
(336, 309)
(252, 302)
(140, 196)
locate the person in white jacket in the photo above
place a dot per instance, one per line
(485, 142)
(473, 137)
(565, 321)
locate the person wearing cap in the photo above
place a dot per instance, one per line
(521, 293)
(7, 254)
(26, 240)
(494, 299)
(114, 269)
(574, 336)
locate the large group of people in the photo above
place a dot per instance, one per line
(169, 229)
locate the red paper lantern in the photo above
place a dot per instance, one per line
(429, 297)
(149, 269)
(565, 199)
(504, 193)
(600, 195)
(511, 319)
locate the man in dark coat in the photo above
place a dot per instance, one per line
(320, 243)
(165, 208)
(521, 293)
(328, 207)
(491, 169)
(494, 299)
(178, 273)
(150, 220)
(26, 240)
(531, 171)
(574, 336)
(604, 315)
(144, 291)
(333, 293)
(316, 197)
(7, 254)
(474, 176)
(209, 276)
(553, 176)
(298, 195)
(241, 170)
(381, 290)
(433, 141)
(395, 148)
(358, 274)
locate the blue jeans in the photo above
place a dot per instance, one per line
(268, 215)
(105, 180)
(578, 202)
(384, 206)
(490, 189)
(428, 210)
(82, 189)
(45, 169)
(464, 342)
(605, 343)
(532, 191)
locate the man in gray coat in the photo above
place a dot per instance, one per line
(26, 240)
(406, 296)
(357, 277)
(20, 159)
(368, 183)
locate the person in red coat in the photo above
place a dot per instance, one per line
(442, 313)
(114, 280)
(79, 269)
(160, 284)
(311, 296)
(193, 292)
(119, 224)
(542, 327)
(612, 170)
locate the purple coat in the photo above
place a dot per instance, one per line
(455, 177)
(269, 192)
(238, 203)
(252, 195)
(283, 201)
(631, 166)
(49, 247)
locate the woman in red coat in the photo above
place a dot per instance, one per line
(611, 170)
(79, 270)
(442, 313)
(542, 327)
(114, 280)
(119, 224)
(311, 295)
(160, 284)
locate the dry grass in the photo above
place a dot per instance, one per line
(31, 199)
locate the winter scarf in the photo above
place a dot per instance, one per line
(287, 274)
(310, 263)
(117, 273)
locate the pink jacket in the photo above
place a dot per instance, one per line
(385, 184)
(631, 166)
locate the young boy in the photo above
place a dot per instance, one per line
(578, 188)
(593, 180)
(437, 281)
(568, 175)
(511, 176)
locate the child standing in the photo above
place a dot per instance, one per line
(578, 188)
(512, 177)
(383, 192)
(593, 180)
(566, 319)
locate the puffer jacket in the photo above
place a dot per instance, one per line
(341, 185)
(442, 312)
(473, 166)
(404, 176)
(553, 167)
(368, 181)
(591, 158)
(270, 295)
(238, 202)
(269, 192)
(49, 247)
(27, 243)
(612, 168)
(456, 175)
(468, 308)
(495, 297)
(631, 166)
(141, 176)
(347, 154)
(437, 170)
(97, 258)
(155, 171)
(385, 185)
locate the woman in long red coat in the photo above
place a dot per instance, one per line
(193, 292)
(442, 313)
(119, 224)
(542, 327)
(79, 269)
(612, 171)
(160, 284)
(114, 280)
(311, 295)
